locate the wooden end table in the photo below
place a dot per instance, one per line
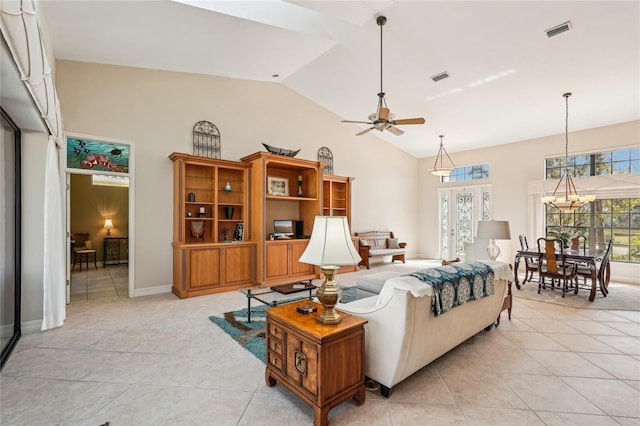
(323, 365)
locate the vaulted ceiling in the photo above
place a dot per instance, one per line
(506, 79)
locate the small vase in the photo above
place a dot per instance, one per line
(228, 211)
(191, 197)
(227, 187)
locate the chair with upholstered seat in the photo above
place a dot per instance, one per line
(83, 250)
(531, 265)
(552, 264)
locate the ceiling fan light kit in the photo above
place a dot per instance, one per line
(440, 168)
(382, 119)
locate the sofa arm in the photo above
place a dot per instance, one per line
(364, 251)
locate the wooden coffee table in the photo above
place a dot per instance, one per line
(279, 295)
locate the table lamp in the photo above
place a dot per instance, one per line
(493, 230)
(108, 225)
(329, 248)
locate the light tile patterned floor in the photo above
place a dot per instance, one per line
(158, 360)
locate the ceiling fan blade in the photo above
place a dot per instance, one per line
(407, 121)
(383, 113)
(365, 131)
(395, 130)
(359, 122)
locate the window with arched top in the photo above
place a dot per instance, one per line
(206, 140)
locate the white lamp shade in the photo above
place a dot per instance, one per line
(494, 229)
(330, 243)
(108, 224)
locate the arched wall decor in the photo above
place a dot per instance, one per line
(206, 140)
(326, 156)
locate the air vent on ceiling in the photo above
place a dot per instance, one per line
(440, 76)
(558, 29)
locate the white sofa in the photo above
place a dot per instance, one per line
(402, 334)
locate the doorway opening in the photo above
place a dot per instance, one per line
(99, 218)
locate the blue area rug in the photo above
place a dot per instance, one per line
(251, 335)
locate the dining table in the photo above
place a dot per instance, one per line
(580, 256)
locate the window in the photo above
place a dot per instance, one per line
(596, 164)
(600, 221)
(479, 171)
(604, 219)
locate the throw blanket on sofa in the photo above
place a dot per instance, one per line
(457, 283)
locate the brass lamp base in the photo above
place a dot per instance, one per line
(328, 295)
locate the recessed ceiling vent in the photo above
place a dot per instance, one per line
(558, 29)
(440, 76)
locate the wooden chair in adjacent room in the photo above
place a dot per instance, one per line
(531, 265)
(554, 265)
(83, 250)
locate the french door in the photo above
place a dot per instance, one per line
(460, 210)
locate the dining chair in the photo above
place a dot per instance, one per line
(531, 265)
(579, 243)
(553, 264)
(604, 270)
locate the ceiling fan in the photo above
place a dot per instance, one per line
(382, 119)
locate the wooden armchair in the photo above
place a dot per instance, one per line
(552, 264)
(531, 265)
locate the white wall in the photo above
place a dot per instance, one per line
(157, 110)
(511, 167)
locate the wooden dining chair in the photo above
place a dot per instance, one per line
(552, 264)
(531, 265)
(604, 270)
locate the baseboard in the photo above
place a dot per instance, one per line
(150, 291)
(30, 327)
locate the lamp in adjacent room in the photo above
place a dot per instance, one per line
(571, 200)
(329, 248)
(440, 167)
(108, 225)
(493, 230)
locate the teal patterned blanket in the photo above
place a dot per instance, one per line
(457, 283)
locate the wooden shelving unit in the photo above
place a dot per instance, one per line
(276, 261)
(214, 193)
(336, 201)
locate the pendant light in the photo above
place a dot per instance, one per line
(440, 168)
(571, 200)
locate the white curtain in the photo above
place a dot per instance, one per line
(54, 300)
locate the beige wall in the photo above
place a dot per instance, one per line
(511, 168)
(156, 110)
(90, 205)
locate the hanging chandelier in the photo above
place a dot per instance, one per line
(439, 167)
(571, 200)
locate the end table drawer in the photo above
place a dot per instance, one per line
(274, 330)
(274, 360)
(275, 346)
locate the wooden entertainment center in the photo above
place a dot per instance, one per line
(212, 195)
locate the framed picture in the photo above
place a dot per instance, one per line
(277, 186)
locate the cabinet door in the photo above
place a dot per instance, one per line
(297, 268)
(204, 267)
(238, 264)
(302, 363)
(277, 260)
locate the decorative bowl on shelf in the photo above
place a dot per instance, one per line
(281, 151)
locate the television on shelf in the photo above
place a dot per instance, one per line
(283, 228)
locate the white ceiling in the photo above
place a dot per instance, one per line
(507, 76)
